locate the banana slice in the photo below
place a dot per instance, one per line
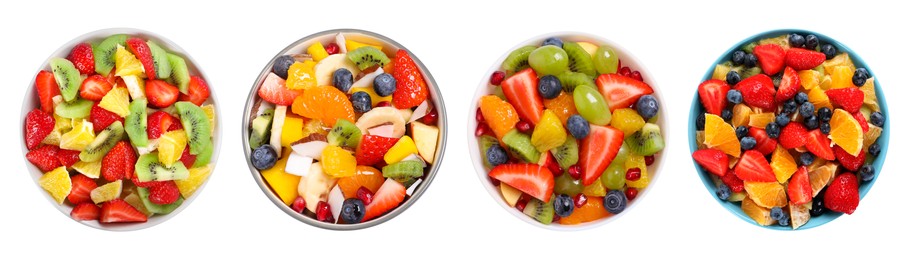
(315, 186)
(327, 67)
(383, 115)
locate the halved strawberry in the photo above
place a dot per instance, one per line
(187, 158)
(47, 88)
(198, 91)
(850, 99)
(861, 119)
(802, 59)
(143, 184)
(389, 196)
(621, 91)
(119, 162)
(713, 95)
(82, 58)
(793, 135)
(799, 190)
(735, 184)
(273, 90)
(532, 179)
(160, 122)
(372, 148)
(45, 157)
(142, 51)
(763, 143)
(160, 93)
(842, 194)
(770, 57)
(410, 87)
(165, 192)
(82, 189)
(86, 211)
(789, 85)
(38, 124)
(118, 211)
(521, 91)
(68, 157)
(101, 118)
(754, 167)
(757, 91)
(850, 162)
(819, 145)
(95, 87)
(597, 150)
(713, 160)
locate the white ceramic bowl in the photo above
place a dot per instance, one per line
(484, 88)
(31, 102)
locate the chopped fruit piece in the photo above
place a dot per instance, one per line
(548, 132)
(161, 122)
(388, 197)
(793, 135)
(89, 169)
(843, 194)
(763, 143)
(532, 179)
(757, 91)
(782, 164)
(45, 157)
(116, 101)
(126, 63)
(799, 190)
(411, 89)
(822, 176)
(713, 160)
(809, 79)
(38, 124)
(292, 130)
(563, 105)
(198, 175)
(842, 77)
(325, 103)
(789, 86)
(802, 59)
(753, 167)
(107, 192)
(713, 95)
(741, 115)
(81, 189)
(766, 194)
(498, 114)
(95, 87)
(317, 51)
(198, 91)
(846, 132)
(338, 162)
(83, 58)
(735, 184)
(849, 162)
(160, 93)
(511, 195)
(592, 210)
(171, 146)
(79, 137)
(521, 91)
(597, 151)
(101, 118)
(762, 216)
(425, 137)
(366, 177)
(637, 162)
(283, 183)
(301, 75)
(85, 211)
(47, 88)
(850, 99)
(819, 99)
(142, 51)
(720, 135)
(404, 147)
(761, 120)
(819, 145)
(621, 91)
(770, 57)
(273, 90)
(372, 149)
(627, 120)
(57, 183)
(164, 193)
(118, 211)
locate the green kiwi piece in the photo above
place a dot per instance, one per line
(180, 75)
(196, 124)
(157, 208)
(646, 141)
(517, 59)
(162, 63)
(749, 47)
(368, 56)
(104, 53)
(746, 73)
(570, 80)
(567, 153)
(68, 78)
(104, 141)
(204, 157)
(541, 211)
(579, 59)
(344, 134)
(148, 168)
(261, 126)
(520, 144)
(137, 123)
(79, 108)
(486, 142)
(403, 171)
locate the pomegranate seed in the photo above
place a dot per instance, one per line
(383, 104)
(430, 118)
(523, 126)
(495, 182)
(649, 160)
(575, 171)
(479, 116)
(625, 71)
(365, 195)
(554, 167)
(637, 76)
(521, 204)
(332, 48)
(299, 205)
(631, 193)
(497, 78)
(633, 174)
(482, 129)
(324, 213)
(580, 200)
(556, 218)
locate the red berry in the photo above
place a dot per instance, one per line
(633, 174)
(365, 195)
(299, 205)
(521, 204)
(83, 58)
(494, 181)
(332, 48)
(580, 200)
(575, 171)
(497, 78)
(554, 168)
(637, 76)
(649, 160)
(479, 117)
(523, 126)
(164, 193)
(324, 213)
(625, 71)
(430, 118)
(631, 193)
(383, 104)
(556, 218)
(482, 129)
(38, 124)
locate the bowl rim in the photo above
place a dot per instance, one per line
(695, 108)
(483, 89)
(62, 51)
(435, 94)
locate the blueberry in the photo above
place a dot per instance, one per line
(875, 149)
(818, 205)
(738, 57)
(863, 72)
(811, 41)
(734, 96)
(825, 127)
(801, 98)
(723, 192)
(811, 122)
(281, 65)
(877, 119)
(264, 157)
(564, 205)
(867, 172)
(789, 107)
(549, 87)
(384, 84)
(733, 78)
(615, 201)
(807, 109)
(751, 60)
(726, 114)
(796, 40)
(361, 101)
(829, 50)
(579, 127)
(806, 158)
(496, 155)
(858, 79)
(782, 119)
(784, 221)
(343, 79)
(553, 41)
(352, 211)
(741, 131)
(773, 130)
(777, 213)
(646, 106)
(747, 143)
(700, 122)
(824, 114)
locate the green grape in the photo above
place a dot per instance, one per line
(549, 60)
(614, 177)
(566, 185)
(622, 155)
(591, 105)
(605, 60)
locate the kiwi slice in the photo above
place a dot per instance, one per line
(344, 134)
(104, 53)
(204, 157)
(137, 122)
(749, 47)
(579, 59)
(567, 153)
(486, 142)
(180, 74)
(79, 108)
(646, 141)
(520, 144)
(403, 171)
(161, 61)
(518, 59)
(104, 141)
(196, 124)
(68, 78)
(541, 211)
(261, 126)
(148, 168)
(368, 56)
(157, 208)
(570, 80)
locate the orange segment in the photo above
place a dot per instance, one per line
(499, 114)
(766, 194)
(809, 79)
(761, 120)
(842, 59)
(366, 176)
(563, 105)
(818, 98)
(846, 132)
(842, 77)
(821, 177)
(325, 103)
(741, 114)
(871, 136)
(869, 97)
(720, 135)
(782, 164)
(762, 216)
(591, 211)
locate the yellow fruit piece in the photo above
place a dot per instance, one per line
(741, 114)
(869, 97)
(338, 162)
(292, 130)
(62, 124)
(563, 105)
(351, 45)
(627, 120)
(782, 40)
(819, 99)
(590, 48)
(842, 59)
(846, 132)
(761, 120)
(89, 169)
(117, 101)
(301, 75)
(871, 136)
(548, 133)
(404, 147)
(107, 192)
(317, 51)
(720, 135)
(126, 63)
(799, 214)
(766, 194)
(314, 126)
(282, 183)
(134, 200)
(809, 79)
(509, 194)
(79, 137)
(700, 139)
(638, 161)
(596, 189)
(825, 83)
(170, 146)
(762, 216)
(720, 72)
(209, 110)
(842, 77)
(821, 177)
(374, 98)
(782, 164)
(197, 177)
(57, 183)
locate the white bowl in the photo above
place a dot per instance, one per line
(484, 88)
(30, 102)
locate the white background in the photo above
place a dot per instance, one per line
(458, 42)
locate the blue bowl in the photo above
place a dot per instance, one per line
(734, 207)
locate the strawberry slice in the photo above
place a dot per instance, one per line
(532, 179)
(101, 118)
(119, 162)
(187, 158)
(862, 121)
(802, 59)
(793, 135)
(763, 143)
(735, 184)
(850, 99)
(410, 87)
(160, 122)
(45, 157)
(754, 167)
(47, 88)
(789, 85)
(82, 58)
(82, 189)
(388, 197)
(713, 160)
(819, 145)
(842, 194)
(372, 148)
(118, 211)
(198, 91)
(521, 91)
(68, 157)
(597, 150)
(38, 124)
(95, 87)
(621, 91)
(713, 95)
(757, 91)
(85, 211)
(848, 161)
(273, 90)
(800, 190)
(142, 51)
(165, 192)
(160, 93)
(770, 57)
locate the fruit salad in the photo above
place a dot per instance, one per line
(568, 133)
(122, 131)
(788, 127)
(346, 131)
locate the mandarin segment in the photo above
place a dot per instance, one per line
(499, 115)
(563, 105)
(325, 103)
(720, 135)
(846, 132)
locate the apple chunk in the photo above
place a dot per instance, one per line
(425, 138)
